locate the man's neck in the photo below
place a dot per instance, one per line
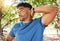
(27, 21)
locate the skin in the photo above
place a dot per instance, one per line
(25, 15)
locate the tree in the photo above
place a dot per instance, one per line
(8, 13)
(7, 16)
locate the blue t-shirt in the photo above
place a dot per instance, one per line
(32, 31)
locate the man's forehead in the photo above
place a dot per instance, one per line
(20, 7)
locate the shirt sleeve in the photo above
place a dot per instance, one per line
(40, 21)
(12, 33)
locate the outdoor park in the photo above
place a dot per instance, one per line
(9, 16)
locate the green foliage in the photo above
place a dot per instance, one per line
(10, 15)
(11, 12)
(42, 2)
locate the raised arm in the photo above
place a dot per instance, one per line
(49, 13)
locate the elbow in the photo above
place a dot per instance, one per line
(55, 9)
(52, 9)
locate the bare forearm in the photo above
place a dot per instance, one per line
(9, 38)
(45, 9)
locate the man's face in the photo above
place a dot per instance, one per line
(23, 13)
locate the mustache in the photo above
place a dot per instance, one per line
(21, 15)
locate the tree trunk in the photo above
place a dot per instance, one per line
(2, 38)
(1, 30)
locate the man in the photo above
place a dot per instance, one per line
(28, 29)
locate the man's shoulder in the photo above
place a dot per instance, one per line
(37, 19)
(16, 25)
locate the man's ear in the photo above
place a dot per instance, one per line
(32, 12)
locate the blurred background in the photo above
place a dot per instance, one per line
(8, 17)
